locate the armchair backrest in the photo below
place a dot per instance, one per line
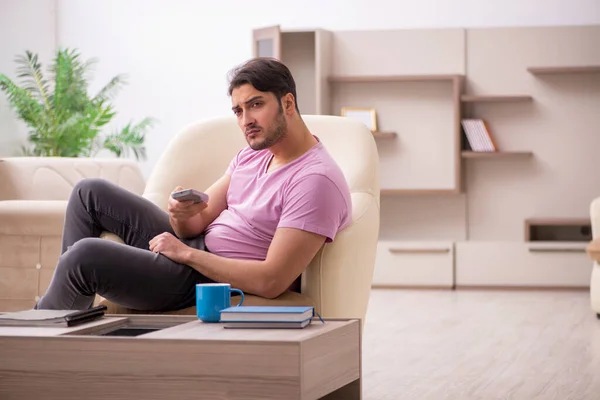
(339, 277)
(53, 178)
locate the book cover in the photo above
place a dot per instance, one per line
(267, 313)
(268, 324)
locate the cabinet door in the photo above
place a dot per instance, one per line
(522, 264)
(414, 264)
(267, 42)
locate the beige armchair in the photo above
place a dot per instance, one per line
(338, 280)
(593, 250)
(33, 198)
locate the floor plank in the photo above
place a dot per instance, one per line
(480, 345)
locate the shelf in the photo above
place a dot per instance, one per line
(558, 221)
(549, 230)
(494, 99)
(392, 78)
(582, 69)
(384, 135)
(496, 154)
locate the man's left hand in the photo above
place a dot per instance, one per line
(169, 246)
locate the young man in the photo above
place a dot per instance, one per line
(280, 199)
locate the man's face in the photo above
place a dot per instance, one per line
(260, 116)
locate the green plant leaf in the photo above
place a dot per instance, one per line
(110, 90)
(130, 139)
(32, 77)
(22, 101)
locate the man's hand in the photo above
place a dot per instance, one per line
(188, 219)
(169, 246)
(183, 210)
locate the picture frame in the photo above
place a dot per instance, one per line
(368, 116)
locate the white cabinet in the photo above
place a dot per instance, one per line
(414, 264)
(522, 264)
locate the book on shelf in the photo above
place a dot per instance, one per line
(51, 318)
(267, 316)
(478, 135)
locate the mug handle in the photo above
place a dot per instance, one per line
(241, 293)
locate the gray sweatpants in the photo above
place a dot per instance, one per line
(127, 274)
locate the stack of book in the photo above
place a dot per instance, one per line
(478, 135)
(267, 317)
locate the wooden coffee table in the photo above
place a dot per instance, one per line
(182, 358)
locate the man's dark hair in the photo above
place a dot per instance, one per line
(266, 75)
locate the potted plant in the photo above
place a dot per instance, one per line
(64, 120)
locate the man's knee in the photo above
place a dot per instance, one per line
(78, 266)
(89, 191)
(91, 185)
(82, 256)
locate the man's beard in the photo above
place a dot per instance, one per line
(273, 135)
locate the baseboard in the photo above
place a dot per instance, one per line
(411, 287)
(523, 288)
(484, 287)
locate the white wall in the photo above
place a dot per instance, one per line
(177, 52)
(24, 25)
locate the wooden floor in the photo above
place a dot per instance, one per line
(481, 345)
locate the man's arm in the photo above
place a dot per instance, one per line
(187, 227)
(289, 254)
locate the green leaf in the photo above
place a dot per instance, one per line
(22, 101)
(130, 139)
(109, 91)
(30, 70)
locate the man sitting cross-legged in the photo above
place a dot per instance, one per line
(280, 199)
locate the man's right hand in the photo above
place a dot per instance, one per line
(183, 210)
(188, 219)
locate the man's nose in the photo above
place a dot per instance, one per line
(247, 120)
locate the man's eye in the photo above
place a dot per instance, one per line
(256, 104)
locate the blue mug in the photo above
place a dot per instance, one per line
(211, 298)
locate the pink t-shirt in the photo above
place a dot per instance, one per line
(309, 193)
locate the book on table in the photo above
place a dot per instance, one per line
(267, 316)
(51, 318)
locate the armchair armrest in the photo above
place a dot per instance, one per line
(32, 217)
(595, 217)
(339, 277)
(593, 250)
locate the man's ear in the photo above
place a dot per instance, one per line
(289, 103)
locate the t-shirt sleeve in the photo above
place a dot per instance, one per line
(314, 204)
